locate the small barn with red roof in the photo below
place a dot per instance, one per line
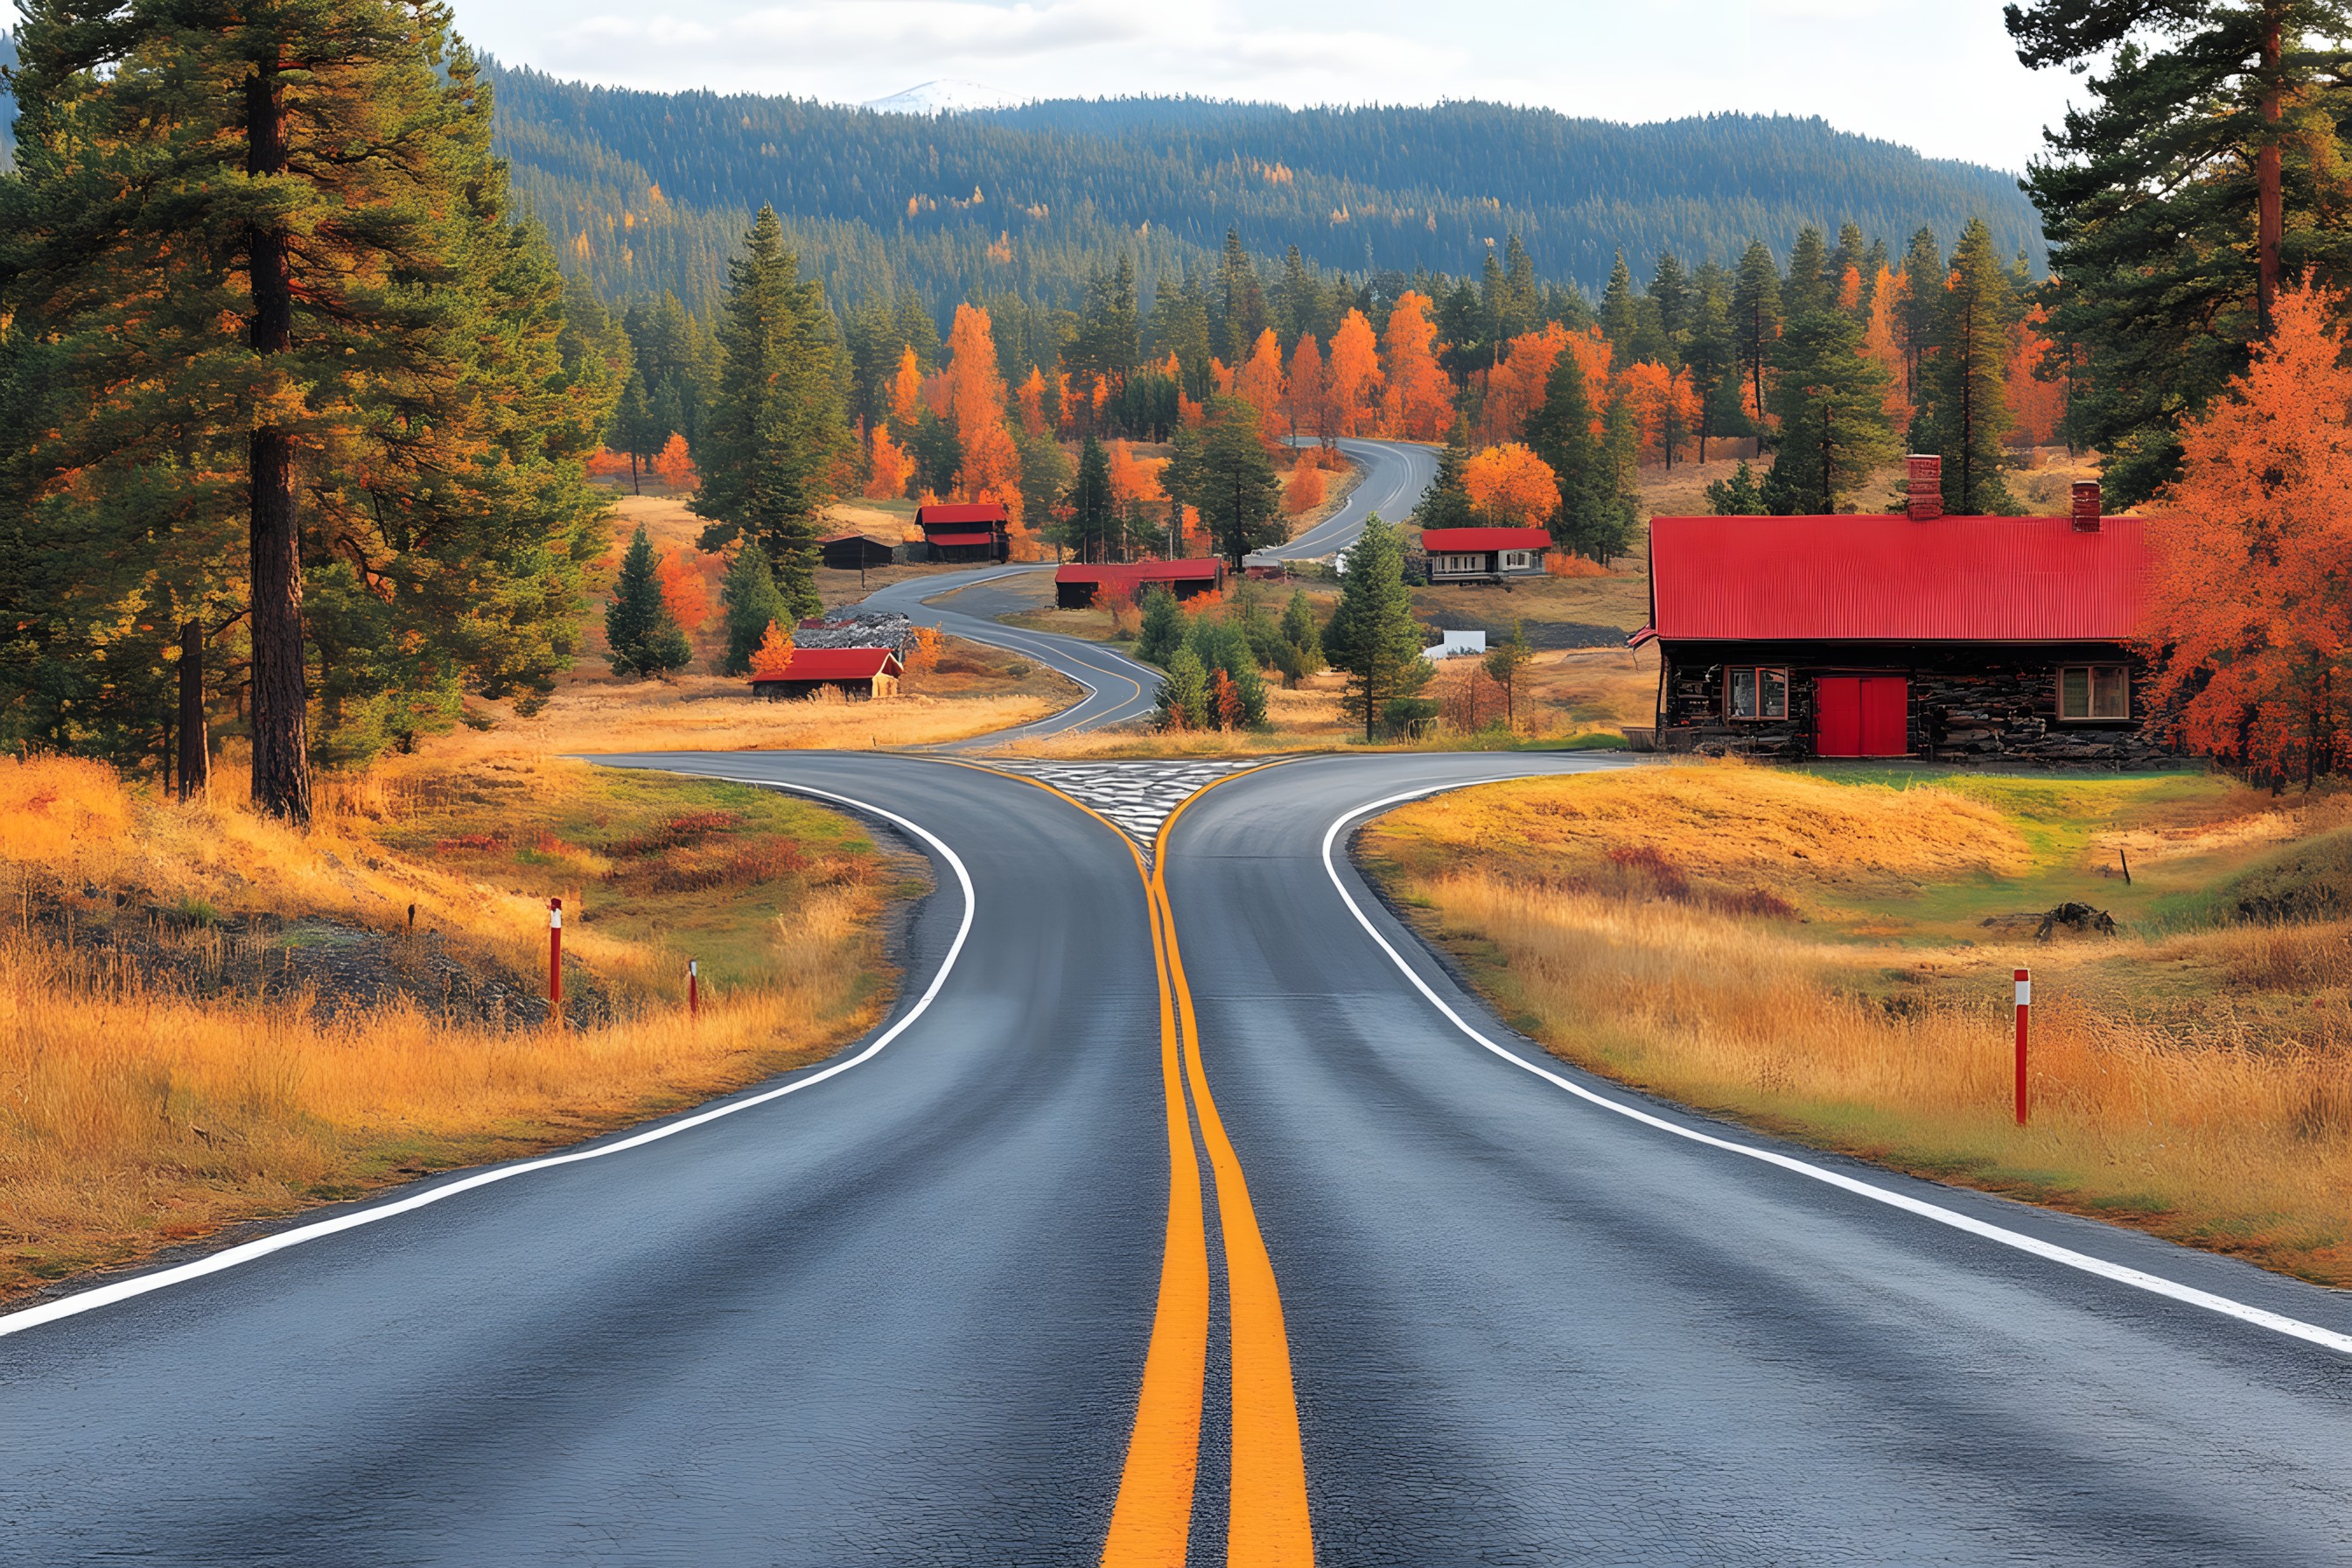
(855, 672)
(1074, 587)
(975, 533)
(1955, 638)
(1484, 554)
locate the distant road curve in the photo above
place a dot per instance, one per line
(1396, 475)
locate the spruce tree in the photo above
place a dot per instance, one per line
(1162, 632)
(1446, 502)
(1807, 287)
(1621, 320)
(1221, 467)
(749, 600)
(1915, 319)
(1670, 295)
(635, 432)
(1756, 317)
(1091, 506)
(1301, 654)
(641, 636)
(1595, 518)
(776, 422)
(1184, 697)
(1372, 635)
(1830, 399)
(1712, 355)
(1738, 495)
(1965, 417)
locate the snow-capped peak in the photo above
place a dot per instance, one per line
(948, 96)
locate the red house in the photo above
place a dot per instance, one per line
(1074, 587)
(1956, 638)
(1485, 554)
(855, 672)
(971, 533)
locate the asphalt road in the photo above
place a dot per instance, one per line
(1396, 475)
(1526, 1329)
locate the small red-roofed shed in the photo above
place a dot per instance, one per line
(975, 533)
(856, 672)
(1074, 587)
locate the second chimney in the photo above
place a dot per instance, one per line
(2087, 506)
(1926, 487)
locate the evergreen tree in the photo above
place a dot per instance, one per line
(1221, 467)
(1914, 319)
(1185, 696)
(1163, 627)
(1670, 294)
(1756, 317)
(1224, 648)
(399, 415)
(1621, 320)
(1830, 401)
(776, 422)
(1965, 417)
(642, 637)
(1087, 530)
(1595, 519)
(1738, 495)
(2208, 166)
(1372, 635)
(1044, 477)
(1446, 502)
(749, 601)
(633, 430)
(1507, 664)
(1241, 315)
(1301, 653)
(1847, 258)
(1808, 287)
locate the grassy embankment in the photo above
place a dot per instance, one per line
(1828, 956)
(207, 1018)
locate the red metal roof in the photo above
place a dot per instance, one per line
(1868, 578)
(1474, 539)
(935, 516)
(835, 664)
(976, 536)
(1205, 570)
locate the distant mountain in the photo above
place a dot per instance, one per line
(645, 190)
(945, 97)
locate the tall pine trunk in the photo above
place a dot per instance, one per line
(281, 761)
(2270, 211)
(196, 752)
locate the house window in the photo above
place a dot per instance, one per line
(1749, 692)
(2091, 691)
(1461, 563)
(1518, 560)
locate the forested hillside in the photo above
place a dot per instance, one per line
(645, 191)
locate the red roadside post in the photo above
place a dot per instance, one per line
(2025, 1006)
(555, 960)
(693, 989)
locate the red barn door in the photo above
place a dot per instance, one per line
(1837, 704)
(1862, 716)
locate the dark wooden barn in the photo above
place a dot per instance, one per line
(1074, 587)
(858, 672)
(854, 553)
(974, 534)
(1953, 638)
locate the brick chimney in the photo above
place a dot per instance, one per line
(1926, 487)
(2087, 506)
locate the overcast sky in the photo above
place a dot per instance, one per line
(1935, 74)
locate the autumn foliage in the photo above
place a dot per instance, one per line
(889, 467)
(684, 592)
(675, 465)
(2250, 608)
(1305, 491)
(773, 657)
(1511, 485)
(1418, 403)
(1351, 377)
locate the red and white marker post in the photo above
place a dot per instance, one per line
(2025, 1006)
(693, 988)
(555, 960)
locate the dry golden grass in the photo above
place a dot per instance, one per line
(713, 714)
(133, 1114)
(2198, 1083)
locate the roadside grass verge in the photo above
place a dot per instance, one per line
(1827, 956)
(207, 1018)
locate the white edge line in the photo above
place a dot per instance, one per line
(125, 1290)
(2154, 1284)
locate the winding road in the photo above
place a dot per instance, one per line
(1185, 1209)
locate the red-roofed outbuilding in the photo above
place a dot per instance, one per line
(977, 531)
(856, 672)
(1074, 587)
(1484, 554)
(1862, 636)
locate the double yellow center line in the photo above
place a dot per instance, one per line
(1151, 1522)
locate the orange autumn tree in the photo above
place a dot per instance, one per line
(684, 593)
(1882, 347)
(2250, 600)
(1134, 481)
(1664, 408)
(773, 657)
(2038, 405)
(1418, 403)
(1511, 486)
(674, 465)
(1304, 392)
(974, 404)
(1257, 381)
(1032, 397)
(1305, 491)
(1351, 377)
(1515, 388)
(891, 469)
(906, 390)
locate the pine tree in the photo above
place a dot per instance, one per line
(1808, 287)
(1184, 697)
(749, 601)
(1221, 468)
(1507, 664)
(1446, 502)
(1738, 495)
(1756, 318)
(1595, 518)
(642, 638)
(1914, 317)
(633, 430)
(1965, 416)
(1372, 635)
(1711, 353)
(1301, 653)
(776, 424)
(1090, 505)
(1670, 294)
(1621, 322)
(1830, 401)
(1163, 627)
